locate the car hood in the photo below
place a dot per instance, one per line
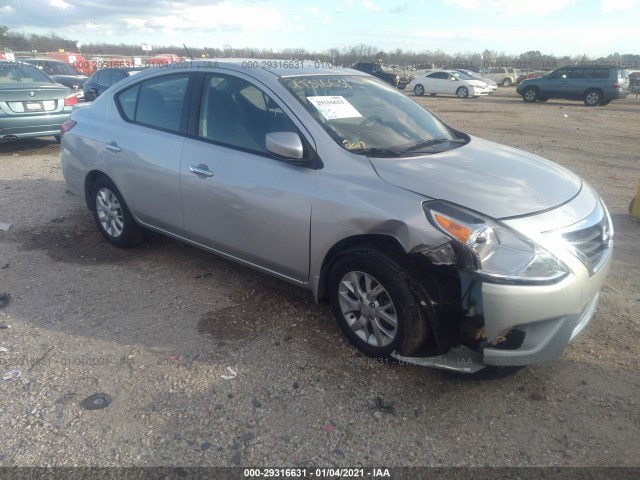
(492, 179)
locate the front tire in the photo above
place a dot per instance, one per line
(592, 98)
(418, 90)
(507, 82)
(530, 94)
(371, 301)
(462, 92)
(112, 215)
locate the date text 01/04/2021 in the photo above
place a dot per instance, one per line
(319, 473)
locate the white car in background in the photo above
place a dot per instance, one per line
(448, 82)
(493, 86)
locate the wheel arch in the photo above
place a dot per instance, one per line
(387, 243)
(437, 288)
(89, 180)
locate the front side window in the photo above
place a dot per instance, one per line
(158, 102)
(235, 112)
(367, 117)
(558, 73)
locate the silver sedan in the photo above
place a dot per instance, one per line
(432, 246)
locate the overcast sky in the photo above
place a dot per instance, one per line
(560, 27)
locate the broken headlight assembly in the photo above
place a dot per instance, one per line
(489, 248)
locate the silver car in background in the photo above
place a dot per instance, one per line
(432, 246)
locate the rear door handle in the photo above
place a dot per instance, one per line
(201, 169)
(113, 147)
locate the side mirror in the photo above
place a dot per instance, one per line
(285, 144)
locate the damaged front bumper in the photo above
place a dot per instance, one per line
(544, 319)
(511, 324)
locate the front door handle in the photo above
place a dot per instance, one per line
(201, 169)
(113, 147)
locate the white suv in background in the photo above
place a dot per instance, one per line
(504, 76)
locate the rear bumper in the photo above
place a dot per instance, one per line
(32, 126)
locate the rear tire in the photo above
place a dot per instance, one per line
(112, 215)
(592, 98)
(373, 304)
(507, 82)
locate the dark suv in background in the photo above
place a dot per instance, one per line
(593, 84)
(377, 70)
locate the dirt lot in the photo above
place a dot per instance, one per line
(156, 327)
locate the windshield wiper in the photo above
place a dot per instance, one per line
(432, 142)
(378, 152)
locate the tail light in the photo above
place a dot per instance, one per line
(70, 100)
(616, 85)
(66, 126)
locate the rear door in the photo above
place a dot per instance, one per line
(578, 82)
(143, 145)
(239, 199)
(438, 82)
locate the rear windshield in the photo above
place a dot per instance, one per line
(368, 117)
(22, 73)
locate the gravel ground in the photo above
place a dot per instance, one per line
(160, 328)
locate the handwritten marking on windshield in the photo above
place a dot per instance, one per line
(352, 146)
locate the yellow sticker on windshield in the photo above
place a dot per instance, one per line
(355, 145)
(334, 107)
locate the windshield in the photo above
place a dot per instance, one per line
(22, 73)
(367, 117)
(462, 76)
(474, 75)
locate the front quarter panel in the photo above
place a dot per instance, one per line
(358, 202)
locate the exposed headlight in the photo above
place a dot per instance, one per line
(494, 250)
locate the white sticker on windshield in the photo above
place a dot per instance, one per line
(334, 107)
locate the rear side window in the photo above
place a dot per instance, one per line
(599, 73)
(441, 75)
(158, 102)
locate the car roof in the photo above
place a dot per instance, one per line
(122, 69)
(450, 72)
(276, 67)
(43, 60)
